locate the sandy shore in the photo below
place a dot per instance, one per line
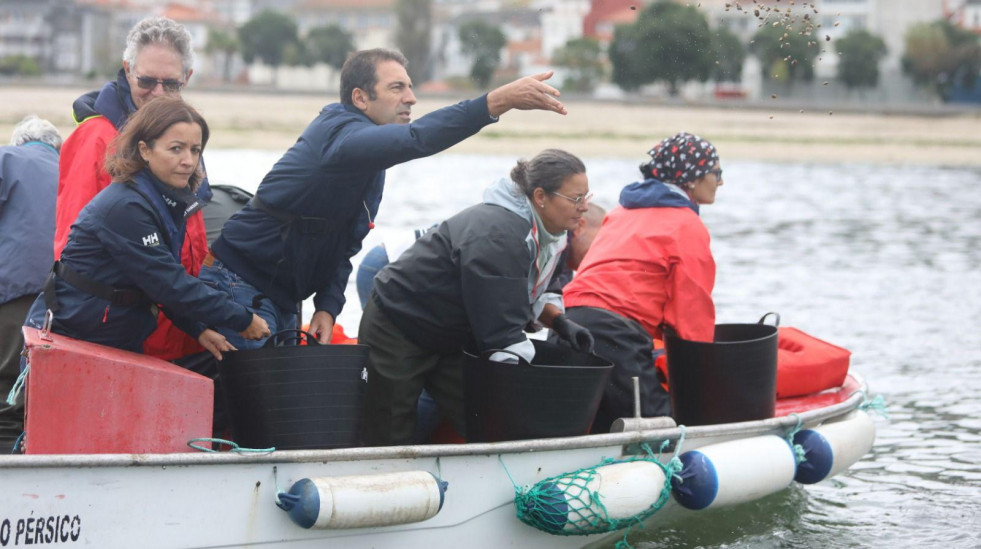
(272, 122)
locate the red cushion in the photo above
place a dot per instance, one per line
(806, 364)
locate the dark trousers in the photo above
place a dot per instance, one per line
(630, 348)
(12, 316)
(398, 371)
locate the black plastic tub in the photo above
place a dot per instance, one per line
(556, 396)
(295, 397)
(732, 379)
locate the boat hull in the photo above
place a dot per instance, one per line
(229, 500)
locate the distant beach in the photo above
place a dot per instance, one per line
(269, 121)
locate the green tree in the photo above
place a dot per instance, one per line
(483, 42)
(225, 44)
(330, 44)
(415, 19)
(669, 43)
(729, 55)
(20, 65)
(859, 54)
(625, 56)
(786, 51)
(938, 55)
(582, 56)
(267, 36)
(296, 53)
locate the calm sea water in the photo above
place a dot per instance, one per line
(882, 260)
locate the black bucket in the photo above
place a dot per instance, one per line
(294, 397)
(732, 379)
(557, 396)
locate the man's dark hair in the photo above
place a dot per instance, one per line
(359, 71)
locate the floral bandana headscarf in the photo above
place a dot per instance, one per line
(680, 159)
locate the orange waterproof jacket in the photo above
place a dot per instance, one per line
(81, 176)
(652, 265)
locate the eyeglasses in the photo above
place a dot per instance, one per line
(169, 84)
(577, 200)
(717, 172)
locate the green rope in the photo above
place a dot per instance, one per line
(232, 446)
(800, 455)
(876, 405)
(18, 386)
(566, 505)
(16, 449)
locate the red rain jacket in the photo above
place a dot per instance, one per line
(652, 265)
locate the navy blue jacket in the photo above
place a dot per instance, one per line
(28, 187)
(132, 240)
(334, 172)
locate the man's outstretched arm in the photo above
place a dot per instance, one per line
(525, 94)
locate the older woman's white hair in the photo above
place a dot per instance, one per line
(32, 128)
(159, 30)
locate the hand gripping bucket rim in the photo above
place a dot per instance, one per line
(556, 396)
(295, 396)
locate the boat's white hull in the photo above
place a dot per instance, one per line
(229, 500)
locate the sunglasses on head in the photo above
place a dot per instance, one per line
(169, 84)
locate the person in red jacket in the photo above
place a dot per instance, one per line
(649, 266)
(157, 61)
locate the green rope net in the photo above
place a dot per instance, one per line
(571, 504)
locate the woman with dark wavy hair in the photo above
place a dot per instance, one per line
(123, 257)
(473, 282)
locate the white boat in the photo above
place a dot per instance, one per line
(392, 497)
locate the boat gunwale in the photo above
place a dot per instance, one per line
(745, 428)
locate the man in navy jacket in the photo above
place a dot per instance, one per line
(312, 210)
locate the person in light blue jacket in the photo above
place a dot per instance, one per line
(296, 237)
(28, 188)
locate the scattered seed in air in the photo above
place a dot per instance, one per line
(773, 96)
(830, 113)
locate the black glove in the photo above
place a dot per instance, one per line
(576, 335)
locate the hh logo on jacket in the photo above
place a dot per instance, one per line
(151, 240)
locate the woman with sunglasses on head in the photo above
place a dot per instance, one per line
(650, 265)
(123, 255)
(473, 282)
(157, 61)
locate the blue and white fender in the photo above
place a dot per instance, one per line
(622, 491)
(364, 500)
(833, 447)
(733, 472)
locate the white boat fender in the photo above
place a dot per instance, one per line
(735, 471)
(833, 447)
(594, 500)
(364, 501)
